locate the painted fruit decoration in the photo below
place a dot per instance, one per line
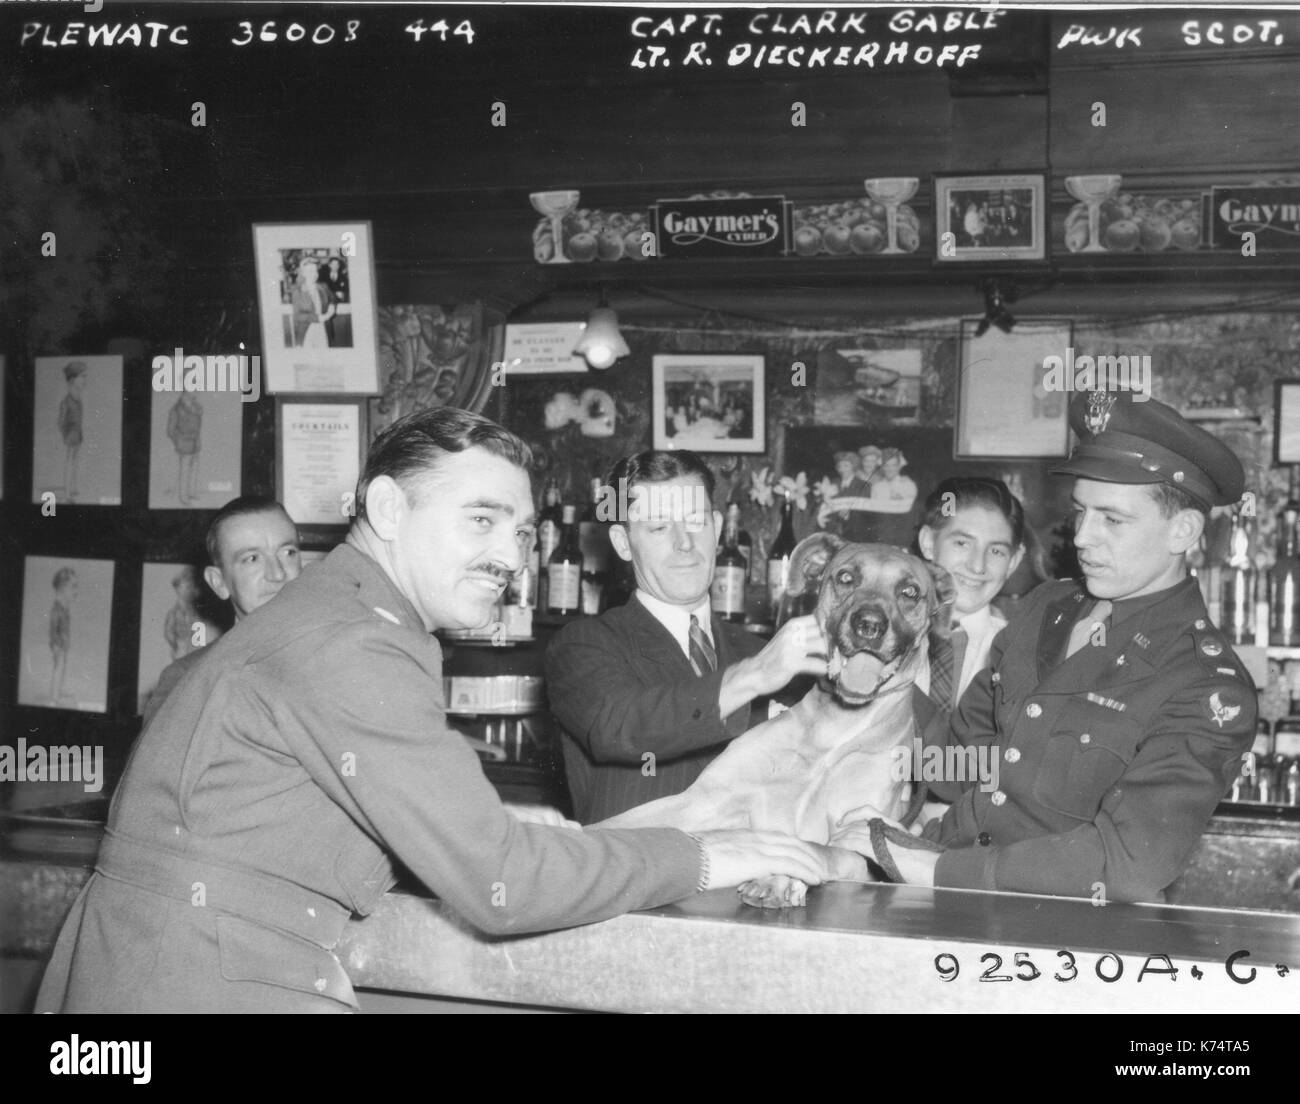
(594, 235)
(852, 227)
(1137, 223)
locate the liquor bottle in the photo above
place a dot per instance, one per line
(727, 593)
(548, 536)
(778, 562)
(1237, 602)
(597, 552)
(1284, 578)
(744, 542)
(564, 570)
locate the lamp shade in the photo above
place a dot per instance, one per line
(601, 343)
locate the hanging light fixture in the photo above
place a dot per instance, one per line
(996, 297)
(601, 342)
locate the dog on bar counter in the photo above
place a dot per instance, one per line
(815, 770)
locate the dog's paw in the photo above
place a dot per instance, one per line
(777, 891)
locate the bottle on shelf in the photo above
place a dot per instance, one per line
(564, 569)
(548, 536)
(1237, 590)
(727, 592)
(744, 542)
(778, 562)
(1284, 577)
(597, 552)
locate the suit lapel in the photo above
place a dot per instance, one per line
(654, 643)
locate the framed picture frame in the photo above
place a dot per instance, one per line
(319, 449)
(67, 621)
(195, 449)
(1286, 422)
(173, 621)
(990, 218)
(77, 431)
(1008, 405)
(708, 402)
(316, 298)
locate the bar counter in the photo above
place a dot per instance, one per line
(872, 948)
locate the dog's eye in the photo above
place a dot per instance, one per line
(911, 592)
(844, 578)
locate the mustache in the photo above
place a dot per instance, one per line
(495, 570)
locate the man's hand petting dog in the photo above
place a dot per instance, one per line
(740, 855)
(798, 648)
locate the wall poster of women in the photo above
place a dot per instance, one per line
(708, 402)
(316, 291)
(66, 630)
(77, 438)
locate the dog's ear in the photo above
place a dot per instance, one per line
(943, 594)
(808, 562)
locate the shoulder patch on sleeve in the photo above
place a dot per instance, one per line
(1223, 706)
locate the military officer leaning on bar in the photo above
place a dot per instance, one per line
(264, 803)
(1118, 713)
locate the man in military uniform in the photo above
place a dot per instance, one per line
(1117, 712)
(264, 804)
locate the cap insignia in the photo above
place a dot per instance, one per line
(1099, 407)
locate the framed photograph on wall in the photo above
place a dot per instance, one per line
(195, 449)
(1286, 421)
(316, 293)
(990, 218)
(319, 445)
(173, 622)
(77, 430)
(708, 402)
(1008, 405)
(66, 633)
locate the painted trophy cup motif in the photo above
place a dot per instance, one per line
(1094, 191)
(555, 206)
(892, 191)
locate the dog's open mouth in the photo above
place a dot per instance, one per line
(855, 679)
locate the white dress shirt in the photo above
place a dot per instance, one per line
(677, 619)
(981, 627)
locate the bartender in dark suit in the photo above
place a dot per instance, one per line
(1117, 712)
(647, 694)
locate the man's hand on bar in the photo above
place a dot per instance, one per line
(739, 855)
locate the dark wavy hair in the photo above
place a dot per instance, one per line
(659, 466)
(410, 449)
(975, 491)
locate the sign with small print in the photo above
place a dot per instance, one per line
(535, 348)
(1270, 212)
(748, 226)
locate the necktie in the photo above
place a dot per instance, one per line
(1084, 629)
(703, 657)
(946, 659)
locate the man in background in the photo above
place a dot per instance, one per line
(252, 551)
